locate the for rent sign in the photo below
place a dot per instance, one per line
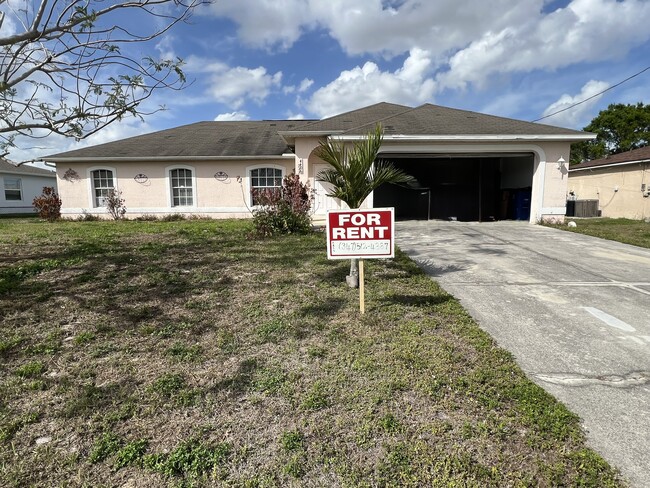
(363, 234)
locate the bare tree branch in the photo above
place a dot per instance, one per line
(67, 69)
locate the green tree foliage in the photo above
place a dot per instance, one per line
(356, 172)
(619, 128)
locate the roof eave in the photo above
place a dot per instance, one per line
(477, 137)
(601, 166)
(153, 159)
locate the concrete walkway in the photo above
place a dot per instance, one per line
(574, 310)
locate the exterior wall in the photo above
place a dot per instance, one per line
(555, 181)
(225, 197)
(618, 189)
(31, 185)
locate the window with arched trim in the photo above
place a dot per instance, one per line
(182, 187)
(103, 184)
(264, 180)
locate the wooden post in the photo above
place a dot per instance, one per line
(362, 298)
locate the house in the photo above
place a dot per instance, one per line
(619, 182)
(19, 185)
(468, 166)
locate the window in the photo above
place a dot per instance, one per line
(269, 179)
(102, 185)
(181, 183)
(13, 189)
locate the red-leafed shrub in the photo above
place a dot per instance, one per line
(48, 204)
(284, 210)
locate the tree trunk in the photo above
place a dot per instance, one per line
(353, 278)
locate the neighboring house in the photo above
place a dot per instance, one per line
(468, 166)
(620, 183)
(19, 185)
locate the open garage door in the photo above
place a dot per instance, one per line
(472, 187)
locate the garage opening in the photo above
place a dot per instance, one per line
(467, 188)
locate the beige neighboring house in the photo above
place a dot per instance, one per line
(468, 166)
(19, 185)
(620, 183)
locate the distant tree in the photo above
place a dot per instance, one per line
(355, 173)
(619, 128)
(65, 66)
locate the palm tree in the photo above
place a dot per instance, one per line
(355, 173)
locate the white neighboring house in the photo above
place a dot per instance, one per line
(19, 185)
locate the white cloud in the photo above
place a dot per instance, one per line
(367, 84)
(578, 116)
(266, 23)
(230, 116)
(584, 31)
(233, 86)
(291, 116)
(305, 85)
(472, 43)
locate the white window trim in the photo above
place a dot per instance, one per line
(91, 186)
(168, 184)
(20, 185)
(247, 181)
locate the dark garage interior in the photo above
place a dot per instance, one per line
(467, 188)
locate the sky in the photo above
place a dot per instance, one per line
(310, 59)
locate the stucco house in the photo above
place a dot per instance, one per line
(468, 166)
(620, 183)
(19, 185)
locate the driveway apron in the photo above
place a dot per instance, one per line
(574, 310)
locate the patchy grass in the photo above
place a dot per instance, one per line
(183, 353)
(635, 232)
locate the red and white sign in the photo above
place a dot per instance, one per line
(362, 234)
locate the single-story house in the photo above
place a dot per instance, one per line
(19, 185)
(469, 166)
(620, 183)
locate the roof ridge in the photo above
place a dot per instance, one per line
(304, 127)
(410, 109)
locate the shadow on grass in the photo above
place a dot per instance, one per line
(240, 382)
(322, 309)
(415, 300)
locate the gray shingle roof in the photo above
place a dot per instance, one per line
(431, 119)
(202, 139)
(641, 154)
(7, 167)
(262, 138)
(355, 118)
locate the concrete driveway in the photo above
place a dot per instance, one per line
(574, 310)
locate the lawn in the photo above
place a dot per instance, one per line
(635, 232)
(189, 354)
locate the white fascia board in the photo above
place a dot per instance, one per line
(624, 163)
(476, 137)
(152, 159)
(53, 175)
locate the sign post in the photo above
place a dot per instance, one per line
(361, 234)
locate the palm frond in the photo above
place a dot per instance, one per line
(355, 171)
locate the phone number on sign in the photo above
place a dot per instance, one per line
(360, 247)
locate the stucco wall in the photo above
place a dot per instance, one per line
(32, 186)
(618, 189)
(226, 197)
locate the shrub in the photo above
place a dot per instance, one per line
(115, 204)
(283, 211)
(48, 204)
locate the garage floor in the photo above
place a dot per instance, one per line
(574, 310)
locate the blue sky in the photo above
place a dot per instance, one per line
(277, 59)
